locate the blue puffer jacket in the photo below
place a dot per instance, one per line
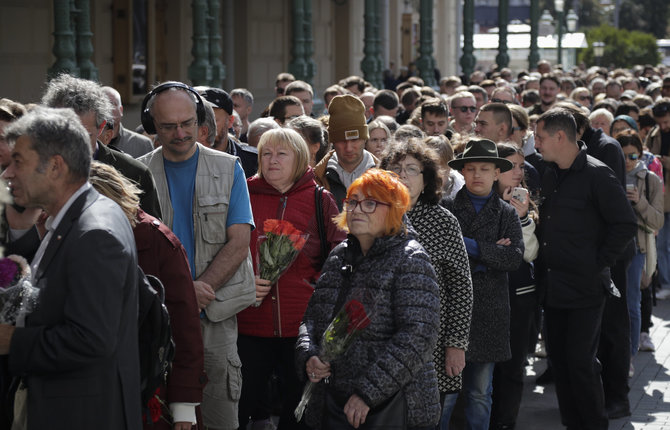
(397, 280)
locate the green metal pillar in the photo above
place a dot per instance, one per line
(87, 69)
(502, 59)
(200, 71)
(64, 47)
(370, 62)
(534, 55)
(297, 67)
(215, 52)
(426, 62)
(309, 42)
(559, 28)
(468, 59)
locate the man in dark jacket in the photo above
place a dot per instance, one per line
(613, 351)
(94, 109)
(586, 223)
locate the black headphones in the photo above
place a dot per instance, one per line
(147, 119)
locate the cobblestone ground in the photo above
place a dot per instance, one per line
(649, 394)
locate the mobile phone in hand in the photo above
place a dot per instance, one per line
(519, 193)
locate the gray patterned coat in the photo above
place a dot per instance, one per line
(489, 331)
(396, 350)
(440, 234)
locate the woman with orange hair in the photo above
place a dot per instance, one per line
(388, 271)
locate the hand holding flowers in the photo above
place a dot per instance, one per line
(276, 251)
(338, 337)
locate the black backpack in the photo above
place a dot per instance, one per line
(154, 335)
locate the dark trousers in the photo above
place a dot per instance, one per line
(614, 348)
(572, 342)
(508, 375)
(260, 358)
(645, 309)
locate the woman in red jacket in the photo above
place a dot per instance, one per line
(283, 189)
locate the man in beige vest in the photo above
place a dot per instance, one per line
(206, 203)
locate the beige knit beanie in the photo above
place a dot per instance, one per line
(347, 119)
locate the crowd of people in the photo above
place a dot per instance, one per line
(465, 226)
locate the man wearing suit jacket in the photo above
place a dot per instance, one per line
(93, 108)
(77, 355)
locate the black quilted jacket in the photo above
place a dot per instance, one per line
(395, 351)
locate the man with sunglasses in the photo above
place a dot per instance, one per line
(283, 79)
(658, 142)
(463, 108)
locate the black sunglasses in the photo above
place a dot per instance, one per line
(465, 108)
(502, 101)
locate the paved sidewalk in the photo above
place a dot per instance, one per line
(649, 395)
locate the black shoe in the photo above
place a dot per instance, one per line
(546, 378)
(618, 410)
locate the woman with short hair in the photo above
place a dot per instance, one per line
(283, 189)
(440, 234)
(390, 362)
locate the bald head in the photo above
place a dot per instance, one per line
(117, 108)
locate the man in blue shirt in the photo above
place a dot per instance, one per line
(205, 199)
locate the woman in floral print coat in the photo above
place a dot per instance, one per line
(439, 233)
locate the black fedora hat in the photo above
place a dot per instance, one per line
(481, 150)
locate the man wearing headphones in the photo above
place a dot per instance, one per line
(205, 201)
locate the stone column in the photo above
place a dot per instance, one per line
(502, 59)
(215, 52)
(63, 49)
(297, 67)
(426, 62)
(468, 59)
(200, 71)
(370, 64)
(309, 42)
(534, 55)
(87, 69)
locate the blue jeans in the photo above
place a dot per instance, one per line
(633, 297)
(477, 389)
(663, 251)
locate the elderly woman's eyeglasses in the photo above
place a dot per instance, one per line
(368, 206)
(409, 170)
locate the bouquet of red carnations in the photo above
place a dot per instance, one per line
(17, 295)
(278, 248)
(338, 337)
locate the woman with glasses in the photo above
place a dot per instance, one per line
(645, 193)
(379, 138)
(440, 234)
(582, 95)
(381, 265)
(283, 189)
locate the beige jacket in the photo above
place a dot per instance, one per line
(213, 185)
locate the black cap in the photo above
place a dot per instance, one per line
(218, 98)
